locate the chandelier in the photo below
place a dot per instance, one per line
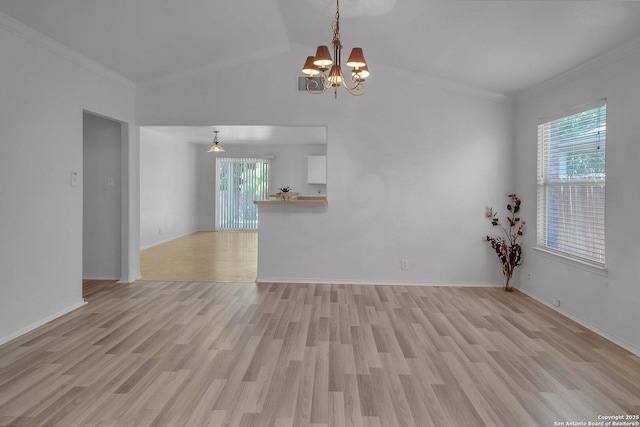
(215, 148)
(321, 78)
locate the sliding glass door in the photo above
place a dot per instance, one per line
(240, 182)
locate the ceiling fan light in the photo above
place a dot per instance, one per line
(323, 57)
(356, 58)
(310, 68)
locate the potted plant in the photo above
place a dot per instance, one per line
(508, 246)
(285, 193)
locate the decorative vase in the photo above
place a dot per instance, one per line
(507, 286)
(285, 197)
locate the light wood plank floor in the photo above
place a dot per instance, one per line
(196, 354)
(206, 256)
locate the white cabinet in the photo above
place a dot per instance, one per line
(317, 169)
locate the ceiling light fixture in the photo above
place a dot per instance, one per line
(320, 77)
(215, 148)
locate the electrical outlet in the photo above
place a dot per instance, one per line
(555, 301)
(404, 264)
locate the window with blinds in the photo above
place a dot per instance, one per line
(571, 184)
(240, 182)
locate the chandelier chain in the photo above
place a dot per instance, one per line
(336, 27)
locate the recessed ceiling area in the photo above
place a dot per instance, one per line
(503, 47)
(236, 134)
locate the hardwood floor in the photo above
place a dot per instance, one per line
(205, 256)
(246, 354)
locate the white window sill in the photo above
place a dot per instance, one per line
(574, 262)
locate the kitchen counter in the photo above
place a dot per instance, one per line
(296, 201)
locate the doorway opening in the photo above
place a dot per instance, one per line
(241, 181)
(102, 198)
(182, 227)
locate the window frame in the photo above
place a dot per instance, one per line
(594, 241)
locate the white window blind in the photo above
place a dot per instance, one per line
(571, 184)
(240, 182)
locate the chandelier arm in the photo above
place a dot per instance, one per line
(316, 88)
(358, 86)
(325, 79)
(357, 90)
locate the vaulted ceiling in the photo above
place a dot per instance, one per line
(499, 46)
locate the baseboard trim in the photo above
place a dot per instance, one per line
(142, 248)
(374, 282)
(130, 279)
(41, 322)
(97, 277)
(120, 280)
(593, 328)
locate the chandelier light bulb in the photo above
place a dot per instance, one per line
(323, 57)
(310, 68)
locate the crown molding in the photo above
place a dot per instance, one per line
(27, 33)
(198, 71)
(627, 49)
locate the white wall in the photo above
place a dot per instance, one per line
(411, 167)
(42, 97)
(288, 167)
(168, 184)
(101, 198)
(608, 303)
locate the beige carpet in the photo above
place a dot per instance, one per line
(220, 256)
